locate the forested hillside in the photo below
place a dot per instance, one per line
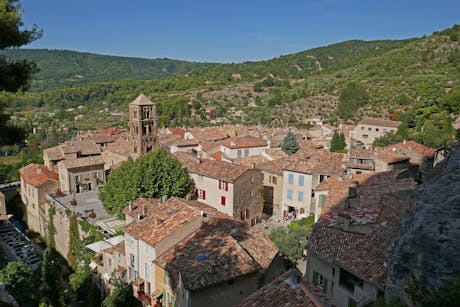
(415, 80)
(63, 68)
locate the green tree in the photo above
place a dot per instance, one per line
(290, 241)
(338, 142)
(352, 97)
(121, 296)
(14, 75)
(19, 281)
(151, 176)
(387, 139)
(50, 270)
(289, 144)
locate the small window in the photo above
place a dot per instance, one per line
(365, 136)
(289, 194)
(246, 152)
(300, 196)
(274, 179)
(201, 194)
(369, 129)
(291, 178)
(377, 129)
(301, 178)
(239, 153)
(252, 179)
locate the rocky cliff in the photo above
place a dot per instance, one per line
(426, 253)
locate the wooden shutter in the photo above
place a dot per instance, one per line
(196, 193)
(226, 186)
(325, 285)
(220, 184)
(204, 195)
(315, 278)
(222, 200)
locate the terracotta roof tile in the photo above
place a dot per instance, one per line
(142, 206)
(142, 100)
(37, 174)
(219, 170)
(284, 292)
(243, 142)
(186, 160)
(221, 249)
(251, 161)
(316, 161)
(207, 134)
(412, 146)
(83, 162)
(121, 146)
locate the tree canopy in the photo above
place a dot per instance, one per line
(289, 144)
(19, 282)
(338, 142)
(150, 176)
(352, 97)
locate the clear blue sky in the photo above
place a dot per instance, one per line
(228, 30)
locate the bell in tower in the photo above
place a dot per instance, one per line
(143, 125)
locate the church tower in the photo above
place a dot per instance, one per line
(143, 125)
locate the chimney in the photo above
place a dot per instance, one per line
(130, 205)
(39, 170)
(346, 223)
(352, 191)
(164, 198)
(144, 210)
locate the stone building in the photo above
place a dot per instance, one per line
(233, 189)
(36, 181)
(143, 125)
(369, 129)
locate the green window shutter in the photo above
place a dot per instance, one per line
(352, 303)
(325, 285)
(315, 278)
(322, 199)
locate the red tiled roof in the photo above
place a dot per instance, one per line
(83, 162)
(251, 161)
(380, 122)
(207, 134)
(143, 206)
(414, 147)
(217, 156)
(243, 142)
(219, 170)
(283, 292)
(316, 161)
(177, 131)
(37, 174)
(186, 160)
(166, 219)
(221, 249)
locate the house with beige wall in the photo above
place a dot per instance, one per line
(235, 190)
(370, 129)
(302, 173)
(82, 174)
(36, 181)
(272, 172)
(242, 146)
(70, 150)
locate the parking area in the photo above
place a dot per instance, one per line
(17, 247)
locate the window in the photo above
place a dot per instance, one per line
(252, 179)
(301, 180)
(239, 153)
(247, 213)
(246, 152)
(321, 199)
(289, 194)
(201, 194)
(348, 281)
(272, 179)
(223, 185)
(110, 263)
(369, 129)
(78, 178)
(251, 194)
(377, 129)
(223, 200)
(131, 260)
(323, 177)
(291, 178)
(147, 271)
(300, 196)
(96, 175)
(365, 136)
(320, 281)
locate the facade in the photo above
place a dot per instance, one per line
(233, 189)
(241, 147)
(351, 241)
(143, 125)
(302, 174)
(36, 181)
(82, 174)
(70, 150)
(362, 161)
(369, 129)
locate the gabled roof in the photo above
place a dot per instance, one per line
(219, 170)
(283, 292)
(142, 100)
(239, 142)
(412, 146)
(83, 162)
(166, 219)
(85, 147)
(221, 249)
(380, 122)
(37, 174)
(317, 161)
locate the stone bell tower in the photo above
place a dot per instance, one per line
(143, 125)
